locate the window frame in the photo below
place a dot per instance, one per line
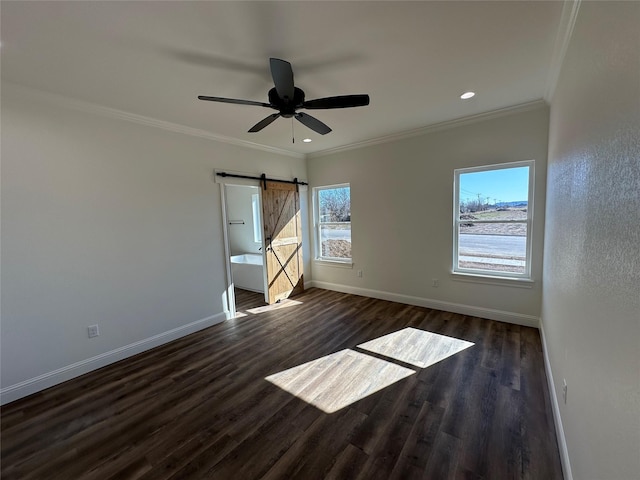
(318, 224)
(489, 274)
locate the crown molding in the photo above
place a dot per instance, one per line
(563, 38)
(436, 127)
(95, 109)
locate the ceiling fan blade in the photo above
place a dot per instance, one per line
(264, 122)
(282, 75)
(234, 100)
(313, 123)
(343, 101)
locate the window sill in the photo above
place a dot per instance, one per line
(491, 280)
(333, 263)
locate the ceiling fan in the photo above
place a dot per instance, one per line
(286, 98)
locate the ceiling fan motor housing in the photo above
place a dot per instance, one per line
(287, 107)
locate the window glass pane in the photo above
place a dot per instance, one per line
(333, 222)
(335, 241)
(493, 219)
(334, 204)
(497, 247)
(503, 191)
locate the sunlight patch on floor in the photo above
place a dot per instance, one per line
(339, 379)
(416, 347)
(342, 378)
(276, 306)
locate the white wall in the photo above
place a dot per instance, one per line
(402, 214)
(591, 297)
(106, 222)
(239, 207)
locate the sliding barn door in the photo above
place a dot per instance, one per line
(283, 240)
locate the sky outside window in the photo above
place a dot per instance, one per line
(503, 185)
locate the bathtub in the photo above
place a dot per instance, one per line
(247, 271)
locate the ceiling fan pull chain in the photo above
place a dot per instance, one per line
(293, 137)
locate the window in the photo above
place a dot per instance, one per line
(332, 216)
(493, 211)
(257, 225)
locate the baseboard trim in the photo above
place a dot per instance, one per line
(555, 407)
(489, 313)
(46, 380)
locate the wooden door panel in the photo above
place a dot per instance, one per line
(283, 240)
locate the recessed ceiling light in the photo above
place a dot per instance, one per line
(467, 95)
(306, 140)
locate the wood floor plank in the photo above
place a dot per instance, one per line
(504, 454)
(313, 455)
(480, 412)
(269, 442)
(386, 453)
(203, 407)
(205, 460)
(348, 463)
(443, 462)
(419, 444)
(510, 365)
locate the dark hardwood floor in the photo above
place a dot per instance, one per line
(201, 407)
(246, 300)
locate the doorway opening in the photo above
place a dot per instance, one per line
(245, 246)
(263, 226)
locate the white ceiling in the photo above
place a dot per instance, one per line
(414, 59)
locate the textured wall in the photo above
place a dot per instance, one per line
(591, 296)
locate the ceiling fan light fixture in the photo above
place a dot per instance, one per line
(306, 140)
(467, 95)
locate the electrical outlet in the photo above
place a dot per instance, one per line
(435, 282)
(360, 273)
(93, 331)
(564, 390)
